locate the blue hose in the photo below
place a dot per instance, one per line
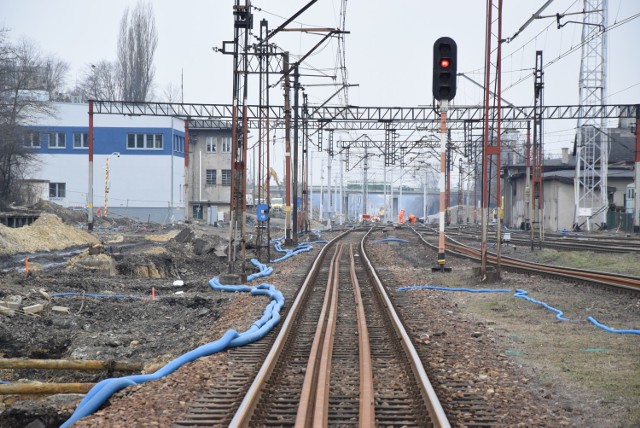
(101, 392)
(300, 248)
(609, 329)
(519, 293)
(522, 294)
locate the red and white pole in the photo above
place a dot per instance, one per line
(442, 134)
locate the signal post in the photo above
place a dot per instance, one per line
(445, 57)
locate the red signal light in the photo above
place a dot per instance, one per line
(444, 62)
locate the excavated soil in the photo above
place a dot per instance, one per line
(128, 292)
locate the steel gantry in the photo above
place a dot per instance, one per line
(365, 118)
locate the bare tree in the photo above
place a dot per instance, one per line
(171, 93)
(26, 80)
(137, 44)
(55, 76)
(100, 82)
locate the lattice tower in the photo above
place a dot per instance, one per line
(592, 151)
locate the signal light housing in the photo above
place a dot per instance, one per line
(445, 58)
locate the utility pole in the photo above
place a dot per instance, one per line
(296, 124)
(491, 153)
(365, 181)
(287, 150)
(537, 221)
(90, 192)
(341, 191)
(243, 23)
(329, 196)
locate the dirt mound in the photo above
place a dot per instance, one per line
(45, 234)
(67, 215)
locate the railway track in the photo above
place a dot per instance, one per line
(341, 357)
(582, 242)
(626, 282)
(315, 377)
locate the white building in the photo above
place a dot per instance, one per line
(144, 156)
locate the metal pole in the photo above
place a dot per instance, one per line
(287, 149)
(187, 211)
(387, 209)
(424, 207)
(341, 192)
(90, 192)
(311, 185)
(329, 196)
(498, 139)
(321, 215)
(447, 184)
(442, 135)
(365, 182)
(636, 205)
(485, 154)
(106, 186)
(296, 119)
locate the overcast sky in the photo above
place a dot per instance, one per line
(388, 50)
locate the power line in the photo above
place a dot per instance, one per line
(573, 49)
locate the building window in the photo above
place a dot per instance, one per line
(226, 177)
(226, 144)
(211, 176)
(157, 141)
(198, 212)
(212, 145)
(32, 139)
(144, 141)
(178, 144)
(57, 190)
(80, 140)
(57, 140)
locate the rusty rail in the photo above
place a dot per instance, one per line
(367, 411)
(313, 409)
(604, 278)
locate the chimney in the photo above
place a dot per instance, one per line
(565, 155)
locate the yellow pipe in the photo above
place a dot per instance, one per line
(46, 388)
(20, 363)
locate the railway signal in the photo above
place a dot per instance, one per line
(445, 58)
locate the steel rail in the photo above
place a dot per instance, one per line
(434, 407)
(367, 411)
(562, 243)
(250, 401)
(604, 278)
(314, 409)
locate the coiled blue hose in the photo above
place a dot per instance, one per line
(270, 318)
(300, 248)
